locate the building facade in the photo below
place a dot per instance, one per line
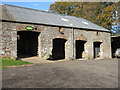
(26, 32)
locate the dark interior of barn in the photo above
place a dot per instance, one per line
(58, 51)
(115, 44)
(79, 48)
(27, 43)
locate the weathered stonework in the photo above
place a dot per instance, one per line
(8, 40)
(90, 37)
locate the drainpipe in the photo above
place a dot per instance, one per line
(73, 44)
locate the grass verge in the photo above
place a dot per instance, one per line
(4, 62)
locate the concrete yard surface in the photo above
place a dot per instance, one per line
(66, 74)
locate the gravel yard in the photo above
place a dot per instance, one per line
(66, 74)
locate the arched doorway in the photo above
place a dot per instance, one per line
(80, 45)
(58, 51)
(97, 49)
(27, 44)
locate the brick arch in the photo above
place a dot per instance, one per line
(81, 38)
(61, 37)
(97, 41)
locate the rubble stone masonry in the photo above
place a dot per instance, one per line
(8, 40)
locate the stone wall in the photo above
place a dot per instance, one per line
(1, 44)
(50, 33)
(8, 42)
(95, 36)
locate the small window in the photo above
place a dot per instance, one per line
(61, 30)
(98, 33)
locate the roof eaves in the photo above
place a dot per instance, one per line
(55, 25)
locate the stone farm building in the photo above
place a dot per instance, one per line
(27, 32)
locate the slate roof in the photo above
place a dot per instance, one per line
(22, 14)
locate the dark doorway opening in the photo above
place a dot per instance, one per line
(27, 44)
(97, 49)
(58, 51)
(115, 44)
(79, 48)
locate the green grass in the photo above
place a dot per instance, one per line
(4, 62)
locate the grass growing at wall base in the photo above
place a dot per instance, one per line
(4, 62)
